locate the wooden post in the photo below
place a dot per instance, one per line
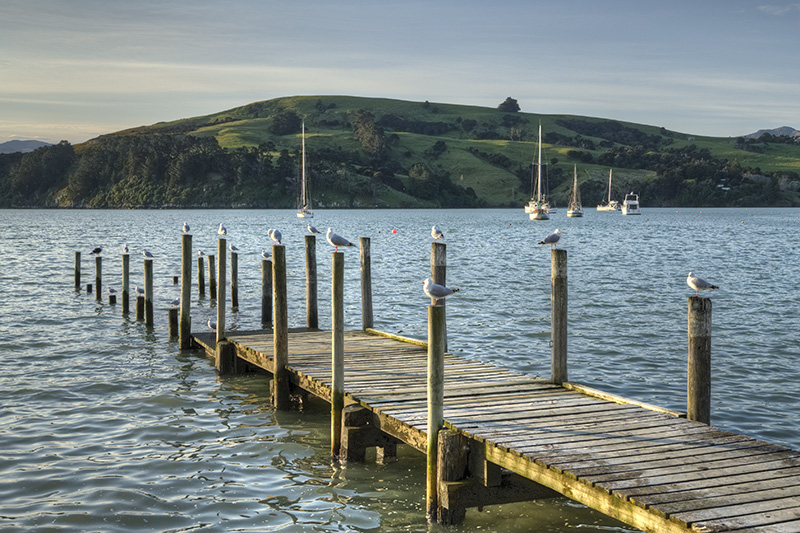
(173, 322)
(148, 292)
(234, 281)
(88, 288)
(698, 405)
(280, 330)
(175, 280)
(77, 271)
(126, 283)
(201, 276)
(439, 275)
(558, 327)
(366, 283)
(139, 306)
(185, 330)
(225, 360)
(221, 289)
(212, 276)
(436, 336)
(266, 292)
(98, 277)
(112, 299)
(452, 463)
(312, 309)
(337, 351)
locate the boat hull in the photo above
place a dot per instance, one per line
(574, 213)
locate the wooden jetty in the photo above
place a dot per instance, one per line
(510, 437)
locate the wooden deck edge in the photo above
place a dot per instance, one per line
(583, 389)
(400, 338)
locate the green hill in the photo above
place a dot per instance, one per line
(371, 152)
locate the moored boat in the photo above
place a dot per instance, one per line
(575, 207)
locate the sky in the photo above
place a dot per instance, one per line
(75, 69)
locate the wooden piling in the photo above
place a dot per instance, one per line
(77, 271)
(266, 292)
(175, 280)
(212, 277)
(439, 275)
(558, 327)
(173, 323)
(698, 397)
(280, 330)
(98, 277)
(436, 340)
(112, 299)
(221, 243)
(201, 276)
(366, 284)
(225, 360)
(148, 292)
(452, 464)
(185, 329)
(337, 351)
(126, 283)
(312, 308)
(140, 306)
(234, 281)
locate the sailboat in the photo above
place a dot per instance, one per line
(537, 208)
(575, 207)
(304, 202)
(612, 205)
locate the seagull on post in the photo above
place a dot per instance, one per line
(699, 284)
(337, 240)
(552, 239)
(312, 229)
(437, 292)
(436, 233)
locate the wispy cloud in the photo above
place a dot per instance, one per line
(778, 10)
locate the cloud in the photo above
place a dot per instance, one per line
(771, 9)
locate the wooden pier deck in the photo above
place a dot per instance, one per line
(639, 464)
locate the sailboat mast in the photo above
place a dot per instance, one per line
(610, 170)
(303, 175)
(539, 167)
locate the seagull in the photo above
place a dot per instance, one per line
(312, 229)
(147, 254)
(112, 291)
(233, 248)
(139, 290)
(436, 233)
(222, 231)
(125, 249)
(437, 292)
(200, 253)
(176, 302)
(551, 239)
(265, 255)
(97, 250)
(275, 235)
(186, 227)
(337, 240)
(699, 284)
(212, 324)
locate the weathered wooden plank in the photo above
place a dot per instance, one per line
(791, 526)
(696, 497)
(740, 501)
(750, 521)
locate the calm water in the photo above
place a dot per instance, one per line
(107, 426)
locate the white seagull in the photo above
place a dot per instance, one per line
(176, 302)
(551, 239)
(139, 290)
(437, 292)
(233, 248)
(212, 324)
(275, 235)
(125, 249)
(147, 254)
(312, 229)
(222, 231)
(200, 253)
(186, 227)
(436, 233)
(337, 240)
(112, 291)
(266, 255)
(96, 250)
(699, 284)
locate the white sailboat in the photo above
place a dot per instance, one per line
(304, 209)
(537, 207)
(575, 207)
(612, 205)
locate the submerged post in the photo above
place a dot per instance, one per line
(221, 242)
(126, 283)
(201, 276)
(698, 401)
(436, 339)
(234, 280)
(185, 324)
(212, 276)
(280, 330)
(266, 292)
(312, 309)
(337, 352)
(98, 277)
(558, 327)
(148, 292)
(77, 271)
(366, 283)
(173, 322)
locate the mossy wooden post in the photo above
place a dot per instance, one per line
(266, 292)
(98, 277)
(558, 326)
(436, 339)
(337, 351)
(185, 328)
(212, 277)
(234, 280)
(698, 401)
(452, 464)
(148, 292)
(139, 306)
(280, 330)
(221, 243)
(312, 307)
(439, 275)
(173, 323)
(366, 283)
(201, 276)
(225, 360)
(126, 283)
(77, 271)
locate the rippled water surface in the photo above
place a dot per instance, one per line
(107, 426)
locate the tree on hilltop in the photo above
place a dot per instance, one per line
(509, 106)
